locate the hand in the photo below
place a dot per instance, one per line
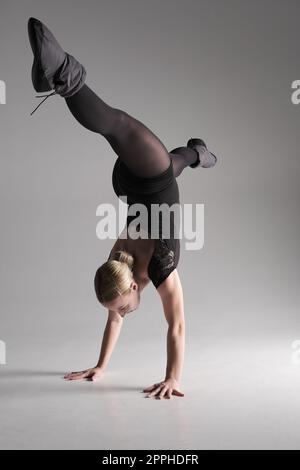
(164, 389)
(90, 374)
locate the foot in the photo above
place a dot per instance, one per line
(206, 159)
(48, 55)
(52, 68)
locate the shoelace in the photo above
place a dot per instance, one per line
(42, 96)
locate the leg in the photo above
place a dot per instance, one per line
(135, 144)
(53, 68)
(181, 158)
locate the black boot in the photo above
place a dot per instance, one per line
(206, 159)
(52, 67)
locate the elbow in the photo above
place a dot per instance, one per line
(177, 329)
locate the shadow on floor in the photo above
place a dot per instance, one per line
(25, 382)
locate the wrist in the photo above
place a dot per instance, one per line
(170, 377)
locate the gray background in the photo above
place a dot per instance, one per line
(219, 70)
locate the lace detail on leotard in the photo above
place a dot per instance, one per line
(162, 262)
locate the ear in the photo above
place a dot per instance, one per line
(133, 285)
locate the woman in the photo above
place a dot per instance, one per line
(144, 172)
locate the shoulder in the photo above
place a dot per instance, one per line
(171, 295)
(169, 284)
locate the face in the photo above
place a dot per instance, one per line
(126, 303)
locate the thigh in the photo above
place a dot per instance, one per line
(138, 147)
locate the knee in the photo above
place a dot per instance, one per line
(124, 121)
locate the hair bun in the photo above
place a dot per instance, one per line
(124, 257)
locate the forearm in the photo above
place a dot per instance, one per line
(175, 352)
(110, 337)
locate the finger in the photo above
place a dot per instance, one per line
(74, 373)
(163, 392)
(95, 377)
(150, 388)
(155, 391)
(86, 375)
(70, 376)
(169, 393)
(75, 377)
(178, 393)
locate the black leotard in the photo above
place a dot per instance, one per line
(152, 190)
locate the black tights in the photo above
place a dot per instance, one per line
(134, 143)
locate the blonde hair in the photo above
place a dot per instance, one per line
(114, 277)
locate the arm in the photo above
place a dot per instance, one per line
(110, 337)
(109, 340)
(175, 352)
(172, 299)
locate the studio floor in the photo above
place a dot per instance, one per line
(239, 394)
(222, 71)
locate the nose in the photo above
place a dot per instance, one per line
(125, 313)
